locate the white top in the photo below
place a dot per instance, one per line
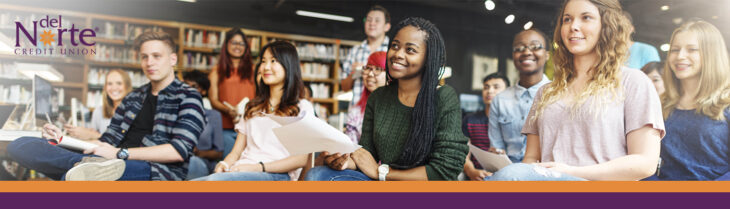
(261, 143)
(98, 122)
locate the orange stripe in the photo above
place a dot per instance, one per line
(140, 186)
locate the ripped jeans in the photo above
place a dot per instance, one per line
(529, 172)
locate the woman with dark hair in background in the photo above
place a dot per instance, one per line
(257, 154)
(655, 70)
(411, 129)
(231, 81)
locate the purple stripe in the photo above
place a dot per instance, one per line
(358, 200)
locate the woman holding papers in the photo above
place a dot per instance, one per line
(257, 154)
(116, 86)
(696, 105)
(412, 127)
(231, 81)
(373, 76)
(597, 120)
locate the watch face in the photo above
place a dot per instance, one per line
(383, 169)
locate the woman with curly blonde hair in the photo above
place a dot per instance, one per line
(597, 120)
(696, 104)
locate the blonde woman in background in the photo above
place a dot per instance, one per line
(695, 105)
(597, 120)
(117, 85)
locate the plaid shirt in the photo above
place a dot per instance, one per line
(359, 54)
(179, 120)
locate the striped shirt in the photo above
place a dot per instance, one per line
(476, 127)
(360, 53)
(179, 120)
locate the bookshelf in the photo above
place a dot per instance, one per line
(198, 47)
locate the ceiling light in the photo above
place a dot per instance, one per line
(664, 47)
(324, 16)
(489, 4)
(189, 1)
(528, 25)
(677, 20)
(510, 18)
(714, 17)
(665, 7)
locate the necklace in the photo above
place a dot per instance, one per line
(271, 107)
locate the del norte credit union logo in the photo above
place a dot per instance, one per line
(48, 32)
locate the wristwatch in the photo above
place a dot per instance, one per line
(383, 171)
(123, 154)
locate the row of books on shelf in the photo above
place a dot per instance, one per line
(15, 94)
(9, 70)
(199, 60)
(320, 90)
(119, 54)
(97, 76)
(204, 38)
(315, 70)
(320, 111)
(122, 31)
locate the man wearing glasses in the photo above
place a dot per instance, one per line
(377, 23)
(509, 109)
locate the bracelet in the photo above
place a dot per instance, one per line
(263, 168)
(225, 165)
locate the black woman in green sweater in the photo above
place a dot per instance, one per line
(411, 129)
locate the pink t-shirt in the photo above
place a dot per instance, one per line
(261, 143)
(584, 139)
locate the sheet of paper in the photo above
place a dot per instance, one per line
(307, 134)
(283, 121)
(75, 144)
(490, 161)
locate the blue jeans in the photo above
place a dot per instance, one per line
(35, 153)
(229, 139)
(529, 172)
(197, 167)
(324, 173)
(245, 176)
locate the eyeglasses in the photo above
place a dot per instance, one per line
(374, 69)
(531, 47)
(237, 43)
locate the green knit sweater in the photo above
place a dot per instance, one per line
(387, 123)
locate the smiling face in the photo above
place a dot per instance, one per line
(373, 77)
(532, 57)
(273, 72)
(157, 61)
(581, 27)
(407, 53)
(684, 56)
(375, 24)
(114, 86)
(236, 46)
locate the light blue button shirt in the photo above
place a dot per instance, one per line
(507, 115)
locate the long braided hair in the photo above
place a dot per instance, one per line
(423, 118)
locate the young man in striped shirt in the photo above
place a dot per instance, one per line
(151, 135)
(476, 125)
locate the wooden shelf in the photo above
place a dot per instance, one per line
(112, 41)
(201, 49)
(29, 82)
(115, 65)
(187, 69)
(327, 100)
(41, 59)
